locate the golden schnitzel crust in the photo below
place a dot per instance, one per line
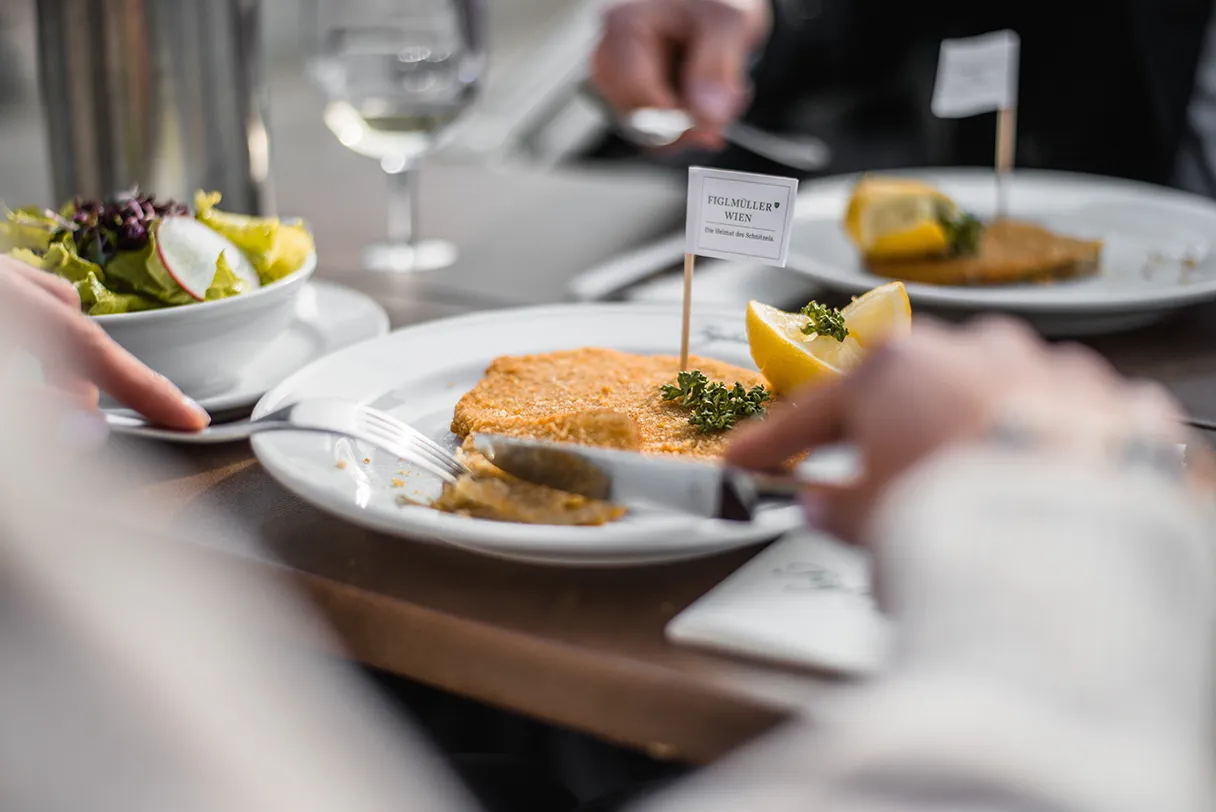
(593, 397)
(1011, 251)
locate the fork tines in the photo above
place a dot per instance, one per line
(411, 444)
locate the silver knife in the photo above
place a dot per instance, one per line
(629, 478)
(625, 270)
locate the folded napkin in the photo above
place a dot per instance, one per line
(804, 601)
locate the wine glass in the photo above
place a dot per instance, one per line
(396, 74)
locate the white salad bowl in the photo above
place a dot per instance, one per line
(201, 347)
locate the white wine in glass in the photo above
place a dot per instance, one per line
(396, 74)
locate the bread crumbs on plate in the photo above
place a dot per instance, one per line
(340, 464)
(397, 483)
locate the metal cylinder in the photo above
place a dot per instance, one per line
(166, 95)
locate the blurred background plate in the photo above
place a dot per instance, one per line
(1156, 260)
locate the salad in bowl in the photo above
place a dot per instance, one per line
(193, 294)
(134, 253)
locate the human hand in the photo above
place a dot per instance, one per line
(943, 386)
(42, 314)
(672, 54)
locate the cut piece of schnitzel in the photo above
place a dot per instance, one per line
(593, 396)
(1010, 251)
(494, 495)
(489, 493)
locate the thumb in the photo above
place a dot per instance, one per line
(715, 81)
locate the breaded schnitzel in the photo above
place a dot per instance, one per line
(593, 397)
(1010, 251)
(586, 396)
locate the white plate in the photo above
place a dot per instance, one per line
(420, 372)
(1157, 258)
(328, 318)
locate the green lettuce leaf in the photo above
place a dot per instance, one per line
(27, 256)
(142, 272)
(226, 283)
(98, 300)
(62, 259)
(31, 228)
(90, 291)
(275, 248)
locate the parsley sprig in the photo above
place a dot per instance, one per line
(963, 232)
(715, 407)
(825, 321)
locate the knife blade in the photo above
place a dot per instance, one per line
(629, 478)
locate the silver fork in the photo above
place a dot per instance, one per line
(340, 417)
(651, 127)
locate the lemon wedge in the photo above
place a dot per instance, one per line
(788, 359)
(879, 315)
(898, 218)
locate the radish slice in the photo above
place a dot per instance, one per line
(189, 251)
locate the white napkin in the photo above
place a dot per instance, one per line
(804, 601)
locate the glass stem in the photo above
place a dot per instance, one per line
(402, 211)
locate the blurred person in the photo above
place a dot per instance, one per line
(1105, 87)
(74, 358)
(1047, 560)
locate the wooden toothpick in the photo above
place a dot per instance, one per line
(1006, 136)
(689, 260)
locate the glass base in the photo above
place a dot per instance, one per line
(424, 255)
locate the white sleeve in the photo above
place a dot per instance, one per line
(1054, 653)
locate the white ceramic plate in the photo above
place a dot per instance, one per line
(328, 318)
(420, 372)
(1157, 258)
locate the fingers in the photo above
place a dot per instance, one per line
(1149, 403)
(840, 510)
(70, 424)
(647, 43)
(1082, 366)
(69, 341)
(129, 382)
(633, 64)
(84, 394)
(1010, 337)
(715, 68)
(813, 418)
(57, 286)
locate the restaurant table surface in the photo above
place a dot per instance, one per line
(580, 648)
